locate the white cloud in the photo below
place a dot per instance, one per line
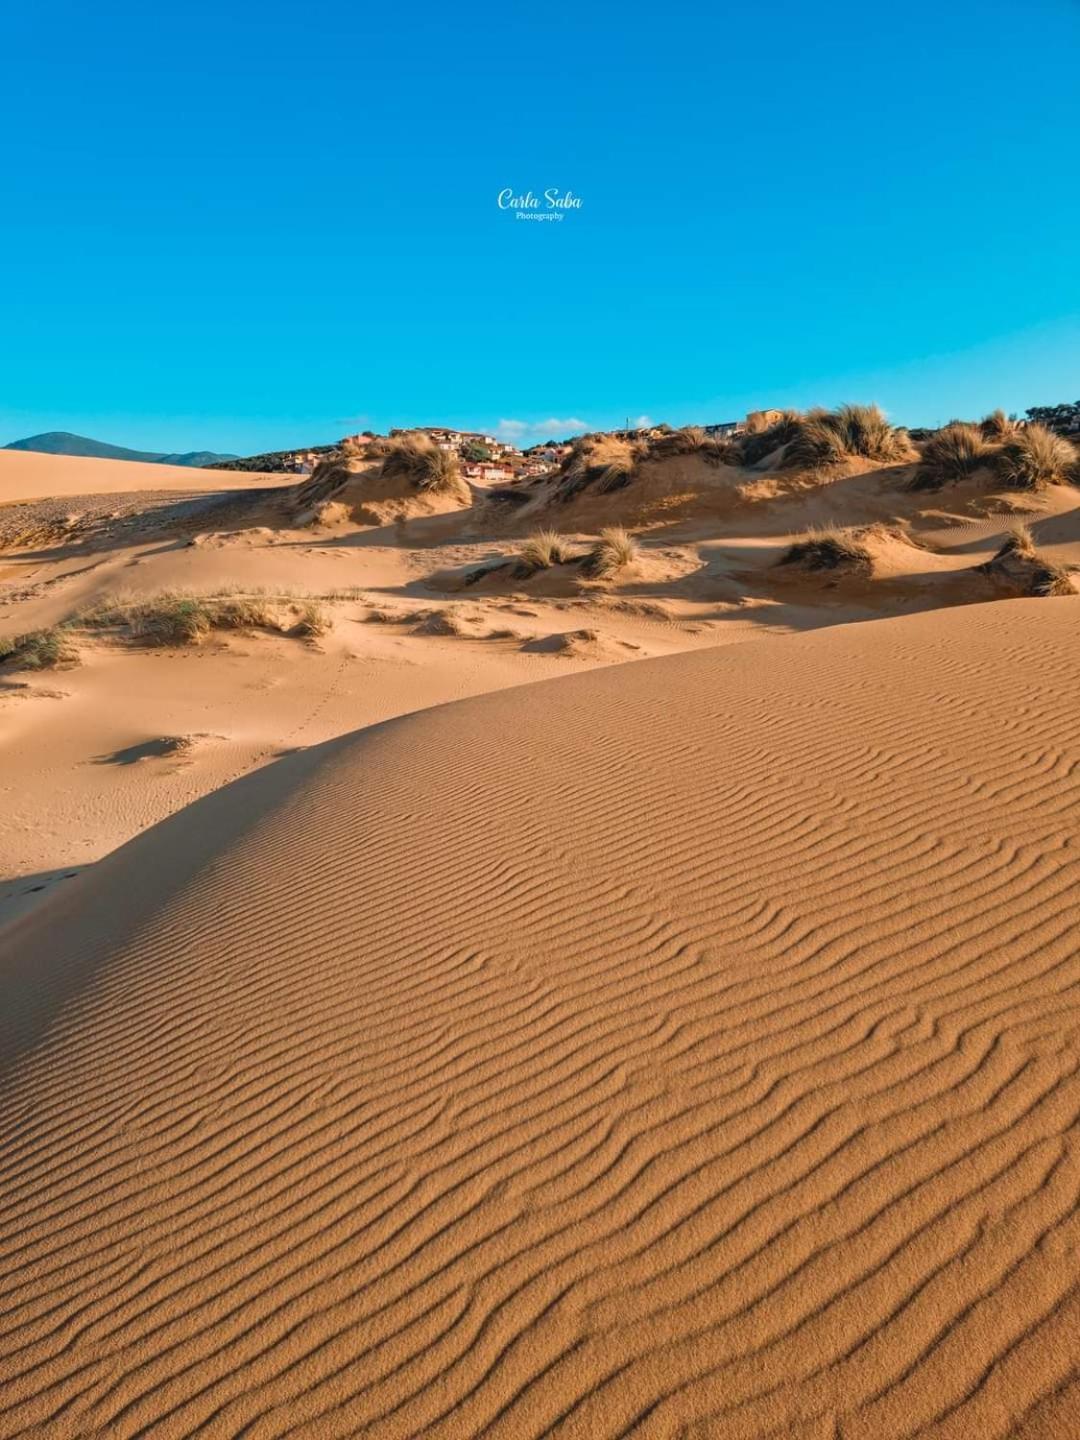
(642, 422)
(553, 428)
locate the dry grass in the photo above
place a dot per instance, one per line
(764, 439)
(1035, 457)
(49, 649)
(997, 426)
(542, 550)
(1020, 566)
(312, 620)
(419, 460)
(823, 437)
(1020, 541)
(361, 449)
(950, 455)
(600, 463)
(829, 550)
(691, 440)
(814, 443)
(177, 617)
(615, 548)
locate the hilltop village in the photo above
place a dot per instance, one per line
(482, 457)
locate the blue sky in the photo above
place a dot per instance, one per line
(244, 226)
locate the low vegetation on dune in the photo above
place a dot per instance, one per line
(175, 618)
(1020, 565)
(49, 649)
(820, 437)
(615, 549)
(952, 454)
(825, 437)
(691, 440)
(1023, 457)
(998, 426)
(418, 460)
(761, 440)
(1034, 457)
(833, 549)
(312, 620)
(542, 550)
(599, 463)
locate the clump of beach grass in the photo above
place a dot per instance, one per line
(762, 440)
(1020, 565)
(952, 454)
(829, 549)
(175, 618)
(542, 550)
(614, 549)
(600, 463)
(824, 437)
(1020, 540)
(998, 426)
(47, 649)
(691, 440)
(1035, 457)
(312, 620)
(416, 458)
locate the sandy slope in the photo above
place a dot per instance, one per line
(28, 475)
(681, 1048)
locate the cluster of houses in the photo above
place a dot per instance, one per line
(755, 420)
(490, 461)
(483, 458)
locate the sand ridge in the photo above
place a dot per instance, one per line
(689, 1047)
(29, 475)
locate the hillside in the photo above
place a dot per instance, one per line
(62, 442)
(682, 1048)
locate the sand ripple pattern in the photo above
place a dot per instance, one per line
(690, 1048)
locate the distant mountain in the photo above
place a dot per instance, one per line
(62, 442)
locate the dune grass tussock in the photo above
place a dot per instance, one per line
(690, 440)
(764, 440)
(48, 649)
(1020, 541)
(615, 549)
(952, 454)
(600, 463)
(417, 459)
(832, 549)
(312, 620)
(178, 618)
(824, 437)
(1034, 457)
(998, 426)
(1020, 565)
(542, 550)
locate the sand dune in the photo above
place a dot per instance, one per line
(689, 1047)
(27, 475)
